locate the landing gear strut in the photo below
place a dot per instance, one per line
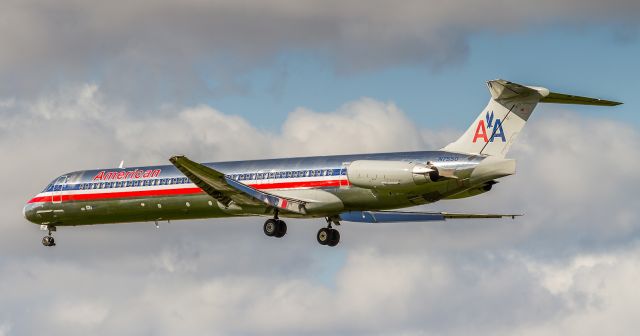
(275, 227)
(329, 236)
(48, 240)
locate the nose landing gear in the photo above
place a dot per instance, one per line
(48, 240)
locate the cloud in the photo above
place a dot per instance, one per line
(567, 265)
(144, 50)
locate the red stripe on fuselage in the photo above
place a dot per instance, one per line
(180, 191)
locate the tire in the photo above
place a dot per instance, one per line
(323, 236)
(281, 229)
(270, 227)
(48, 241)
(335, 237)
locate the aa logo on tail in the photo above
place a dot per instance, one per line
(490, 130)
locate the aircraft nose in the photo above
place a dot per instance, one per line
(29, 213)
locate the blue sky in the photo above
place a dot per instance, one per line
(592, 62)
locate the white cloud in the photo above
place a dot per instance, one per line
(603, 288)
(83, 315)
(5, 328)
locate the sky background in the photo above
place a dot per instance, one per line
(86, 84)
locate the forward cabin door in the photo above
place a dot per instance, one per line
(58, 187)
(344, 182)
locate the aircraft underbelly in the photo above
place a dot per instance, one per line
(135, 210)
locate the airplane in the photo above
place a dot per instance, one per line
(366, 188)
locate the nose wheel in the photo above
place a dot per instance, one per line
(329, 236)
(48, 240)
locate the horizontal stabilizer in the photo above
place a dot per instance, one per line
(398, 216)
(560, 98)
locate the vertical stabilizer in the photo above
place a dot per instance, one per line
(498, 125)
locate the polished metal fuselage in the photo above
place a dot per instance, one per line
(119, 195)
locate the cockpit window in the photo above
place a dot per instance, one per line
(49, 187)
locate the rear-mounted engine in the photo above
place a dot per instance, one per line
(396, 175)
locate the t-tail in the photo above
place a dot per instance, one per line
(509, 108)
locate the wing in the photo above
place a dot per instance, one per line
(228, 191)
(397, 216)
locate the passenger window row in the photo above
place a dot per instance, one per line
(133, 183)
(285, 174)
(184, 180)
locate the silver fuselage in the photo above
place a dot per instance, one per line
(156, 193)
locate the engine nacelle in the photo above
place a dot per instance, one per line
(392, 175)
(473, 191)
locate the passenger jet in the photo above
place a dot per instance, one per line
(343, 188)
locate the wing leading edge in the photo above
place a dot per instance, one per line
(228, 191)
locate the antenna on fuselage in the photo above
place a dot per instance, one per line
(121, 164)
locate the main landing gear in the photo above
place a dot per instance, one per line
(275, 227)
(48, 240)
(329, 236)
